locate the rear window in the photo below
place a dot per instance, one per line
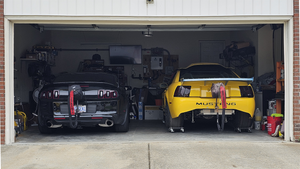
(206, 71)
(87, 77)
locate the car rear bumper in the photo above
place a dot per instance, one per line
(57, 114)
(185, 104)
(91, 120)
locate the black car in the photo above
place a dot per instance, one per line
(83, 99)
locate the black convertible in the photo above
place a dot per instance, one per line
(83, 99)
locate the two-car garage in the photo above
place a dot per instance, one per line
(40, 47)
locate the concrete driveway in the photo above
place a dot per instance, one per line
(152, 155)
(148, 145)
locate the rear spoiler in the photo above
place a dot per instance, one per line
(249, 80)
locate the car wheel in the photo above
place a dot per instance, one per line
(124, 127)
(167, 116)
(43, 128)
(242, 120)
(173, 122)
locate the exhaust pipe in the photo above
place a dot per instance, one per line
(108, 123)
(51, 125)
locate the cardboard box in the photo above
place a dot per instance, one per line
(153, 113)
(32, 56)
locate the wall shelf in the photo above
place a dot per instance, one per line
(279, 85)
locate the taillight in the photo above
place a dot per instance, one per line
(55, 94)
(182, 91)
(114, 94)
(246, 91)
(107, 94)
(100, 95)
(43, 95)
(47, 94)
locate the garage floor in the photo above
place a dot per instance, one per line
(141, 131)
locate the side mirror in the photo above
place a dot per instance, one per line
(127, 88)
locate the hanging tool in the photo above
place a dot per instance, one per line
(75, 93)
(218, 90)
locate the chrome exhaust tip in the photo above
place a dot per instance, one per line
(51, 125)
(108, 123)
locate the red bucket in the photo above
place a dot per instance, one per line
(273, 122)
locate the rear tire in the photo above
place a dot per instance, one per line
(167, 117)
(43, 128)
(124, 127)
(174, 123)
(242, 121)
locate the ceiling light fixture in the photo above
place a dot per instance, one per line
(148, 33)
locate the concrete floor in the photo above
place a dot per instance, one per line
(145, 131)
(148, 145)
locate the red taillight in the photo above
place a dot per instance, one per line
(182, 91)
(55, 94)
(246, 91)
(100, 94)
(43, 95)
(114, 94)
(107, 94)
(47, 94)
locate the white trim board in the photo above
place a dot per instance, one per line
(105, 20)
(288, 74)
(9, 80)
(146, 20)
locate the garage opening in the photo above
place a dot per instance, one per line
(144, 60)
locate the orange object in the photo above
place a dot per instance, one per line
(279, 84)
(158, 102)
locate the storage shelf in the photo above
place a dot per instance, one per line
(26, 59)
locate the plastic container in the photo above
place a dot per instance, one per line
(258, 115)
(264, 122)
(257, 125)
(273, 121)
(263, 127)
(141, 111)
(272, 104)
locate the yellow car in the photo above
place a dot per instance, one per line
(189, 96)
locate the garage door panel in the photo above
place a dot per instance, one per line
(141, 8)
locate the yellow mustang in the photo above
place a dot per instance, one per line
(189, 96)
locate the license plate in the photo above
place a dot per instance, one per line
(82, 108)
